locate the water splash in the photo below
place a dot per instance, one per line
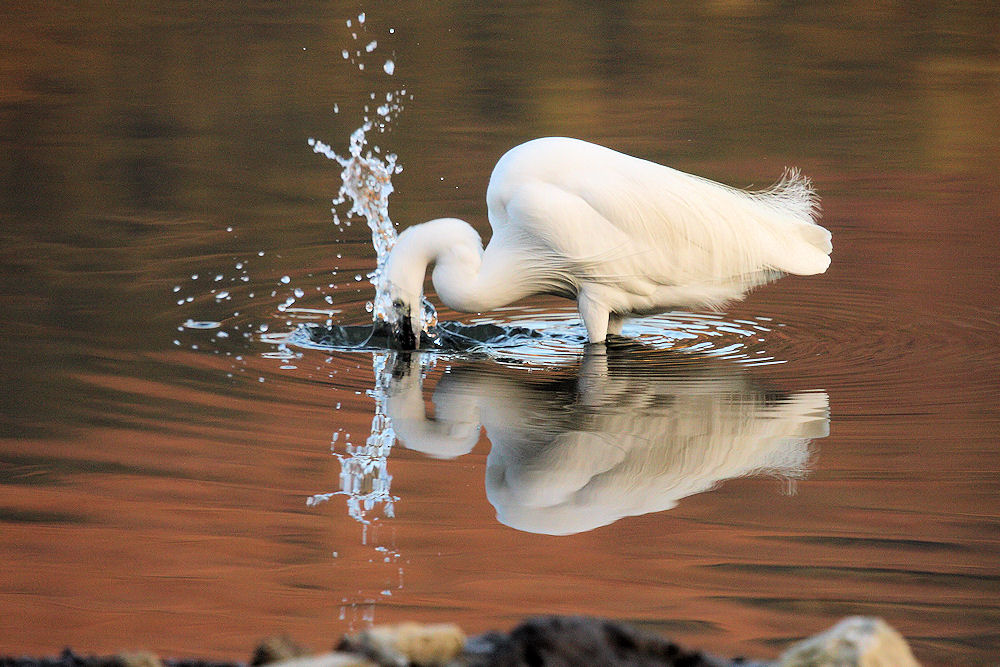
(364, 473)
(366, 183)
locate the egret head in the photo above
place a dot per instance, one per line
(405, 306)
(456, 250)
(405, 325)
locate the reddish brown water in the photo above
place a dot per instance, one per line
(154, 477)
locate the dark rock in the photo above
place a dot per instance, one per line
(70, 659)
(556, 641)
(65, 659)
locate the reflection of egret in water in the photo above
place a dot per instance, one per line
(632, 432)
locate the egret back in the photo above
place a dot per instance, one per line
(617, 220)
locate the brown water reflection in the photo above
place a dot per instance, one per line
(152, 494)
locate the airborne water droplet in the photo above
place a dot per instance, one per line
(366, 185)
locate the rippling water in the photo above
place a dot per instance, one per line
(187, 464)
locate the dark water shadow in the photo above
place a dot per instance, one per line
(445, 337)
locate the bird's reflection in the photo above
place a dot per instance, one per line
(627, 432)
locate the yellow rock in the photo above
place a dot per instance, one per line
(412, 643)
(139, 659)
(856, 641)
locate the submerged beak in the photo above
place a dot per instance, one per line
(405, 325)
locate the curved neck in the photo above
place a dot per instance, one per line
(462, 279)
(464, 283)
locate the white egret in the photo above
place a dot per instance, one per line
(622, 236)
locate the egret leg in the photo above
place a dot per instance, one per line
(595, 318)
(615, 324)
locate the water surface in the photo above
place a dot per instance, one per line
(178, 473)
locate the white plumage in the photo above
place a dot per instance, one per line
(622, 236)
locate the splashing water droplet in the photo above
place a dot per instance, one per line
(366, 185)
(371, 46)
(389, 67)
(285, 279)
(193, 324)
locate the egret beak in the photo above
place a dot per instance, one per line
(405, 326)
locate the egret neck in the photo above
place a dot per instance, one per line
(461, 279)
